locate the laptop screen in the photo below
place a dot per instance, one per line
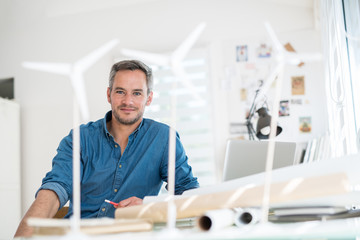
(244, 158)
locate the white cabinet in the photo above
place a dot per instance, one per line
(10, 192)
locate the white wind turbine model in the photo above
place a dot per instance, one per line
(282, 57)
(75, 73)
(174, 61)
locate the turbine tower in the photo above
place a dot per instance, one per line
(282, 57)
(174, 61)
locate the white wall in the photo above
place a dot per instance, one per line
(64, 31)
(10, 192)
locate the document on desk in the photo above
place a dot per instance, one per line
(311, 213)
(245, 196)
(44, 226)
(309, 210)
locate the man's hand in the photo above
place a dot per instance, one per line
(132, 201)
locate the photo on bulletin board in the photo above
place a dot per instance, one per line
(284, 109)
(305, 124)
(296, 101)
(243, 94)
(238, 128)
(242, 54)
(263, 51)
(298, 85)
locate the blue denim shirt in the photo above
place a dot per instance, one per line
(106, 174)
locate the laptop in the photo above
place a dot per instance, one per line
(244, 158)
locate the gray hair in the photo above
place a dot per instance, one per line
(132, 65)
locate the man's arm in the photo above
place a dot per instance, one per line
(45, 205)
(184, 179)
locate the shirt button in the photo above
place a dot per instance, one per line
(120, 166)
(115, 190)
(116, 146)
(103, 209)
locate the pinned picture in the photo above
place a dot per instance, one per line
(296, 101)
(243, 94)
(297, 85)
(238, 128)
(263, 51)
(305, 124)
(242, 54)
(284, 109)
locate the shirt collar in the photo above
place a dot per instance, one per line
(108, 117)
(134, 134)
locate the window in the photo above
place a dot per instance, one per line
(352, 33)
(341, 50)
(193, 121)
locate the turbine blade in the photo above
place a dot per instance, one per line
(78, 85)
(180, 53)
(181, 75)
(276, 43)
(154, 58)
(309, 57)
(58, 68)
(292, 57)
(87, 61)
(269, 81)
(299, 59)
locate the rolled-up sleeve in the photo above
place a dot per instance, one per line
(58, 189)
(59, 179)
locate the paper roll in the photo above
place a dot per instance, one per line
(247, 216)
(216, 219)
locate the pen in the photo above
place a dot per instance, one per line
(111, 202)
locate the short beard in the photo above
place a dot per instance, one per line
(127, 122)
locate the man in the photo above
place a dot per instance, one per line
(124, 157)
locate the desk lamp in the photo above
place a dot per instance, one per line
(264, 122)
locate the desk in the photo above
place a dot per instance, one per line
(334, 229)
(348, 228)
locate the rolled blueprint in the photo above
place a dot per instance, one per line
(241, 197)
(216, 219)
(247, 216)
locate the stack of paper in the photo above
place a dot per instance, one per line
(43, 226)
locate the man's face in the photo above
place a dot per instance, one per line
(129, 97)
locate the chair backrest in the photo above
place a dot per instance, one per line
(62, 212)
